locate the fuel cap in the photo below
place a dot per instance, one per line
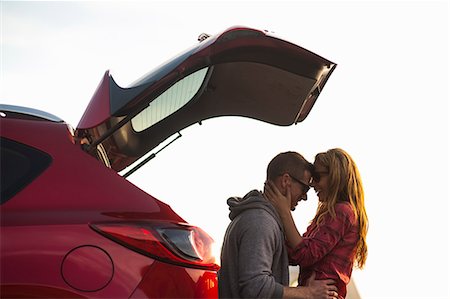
(87, 268)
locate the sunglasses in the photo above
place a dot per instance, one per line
(317, 175)
(305, 186)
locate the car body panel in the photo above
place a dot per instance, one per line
(171, 281)
(32, 258)
(46, 221)
(91, 177)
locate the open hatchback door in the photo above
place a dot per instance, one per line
(239, 72)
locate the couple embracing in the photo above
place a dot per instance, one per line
(262, 239)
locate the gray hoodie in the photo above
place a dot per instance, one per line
(254, 261)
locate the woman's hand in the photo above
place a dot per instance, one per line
(281, 203)
(283, 206)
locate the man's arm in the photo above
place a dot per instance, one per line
(258, 243)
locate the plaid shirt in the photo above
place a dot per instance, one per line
(328, 249)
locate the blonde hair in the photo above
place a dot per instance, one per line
(344, 185)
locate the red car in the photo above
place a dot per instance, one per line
(71, 226)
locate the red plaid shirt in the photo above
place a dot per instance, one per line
(328, 249)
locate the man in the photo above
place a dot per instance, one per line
(254, 261)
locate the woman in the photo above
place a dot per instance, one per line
(335, 241)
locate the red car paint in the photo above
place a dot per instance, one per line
(48, 247)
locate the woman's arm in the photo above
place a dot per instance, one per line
(283, 206)
(320, 240)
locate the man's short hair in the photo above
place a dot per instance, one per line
(288, 162)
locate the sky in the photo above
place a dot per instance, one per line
(386, 104)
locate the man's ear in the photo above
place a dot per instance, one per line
(285, 182)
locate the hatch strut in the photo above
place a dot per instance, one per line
(143, 162)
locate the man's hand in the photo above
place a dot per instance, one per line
(315, 289)
(322, 289)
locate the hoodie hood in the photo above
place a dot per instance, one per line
(252, 200)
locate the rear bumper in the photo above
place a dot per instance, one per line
(168, 281)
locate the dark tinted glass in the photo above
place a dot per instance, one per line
(19, 166)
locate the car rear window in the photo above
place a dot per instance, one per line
(20, 165)
(170, 101)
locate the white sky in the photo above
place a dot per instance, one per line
(386, 104)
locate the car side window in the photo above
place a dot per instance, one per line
(19, 165)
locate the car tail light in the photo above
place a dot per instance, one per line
(174, 243)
